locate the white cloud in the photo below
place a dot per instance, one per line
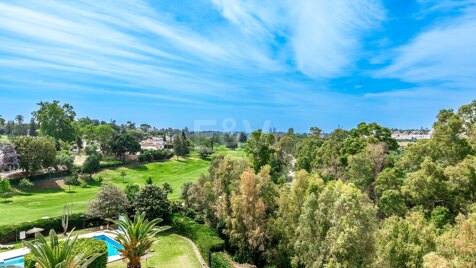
(323, 36)
(443, 54)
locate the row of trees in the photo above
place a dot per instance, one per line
(348, 199)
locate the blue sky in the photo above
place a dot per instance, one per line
(247, 64)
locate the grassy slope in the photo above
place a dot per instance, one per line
(38, 203)
(170, 251)
(50, 201)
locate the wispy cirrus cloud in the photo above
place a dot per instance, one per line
(322, 37)
(443, 54)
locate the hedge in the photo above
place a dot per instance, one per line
(206, 239)
(218, 260)
(9, 232)
(155, 155)
(85, 246)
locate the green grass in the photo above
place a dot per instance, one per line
(238, 153)
(41, 202)
(171, 251)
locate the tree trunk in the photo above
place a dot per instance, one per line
(131, 265)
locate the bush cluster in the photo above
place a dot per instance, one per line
(155, 155)
(85, 246)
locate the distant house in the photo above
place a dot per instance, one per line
(411, 134)
(157, 143)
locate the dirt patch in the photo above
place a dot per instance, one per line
(52, 183)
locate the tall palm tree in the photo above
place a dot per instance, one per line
(50, 254)
(136, 237)
(19, 119)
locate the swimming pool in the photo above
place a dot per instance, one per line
(112, 246)
(112, 250)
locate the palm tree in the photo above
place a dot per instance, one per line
(136, 237)
(19, 119)
(52, 254)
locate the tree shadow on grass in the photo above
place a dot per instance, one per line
(139, 168)
(8, 201)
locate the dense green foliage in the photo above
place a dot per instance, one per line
(35, 153)
(110, 202)
(206, 239)
(218, 260)
(354, 197)
(152, 200)
(56, 121)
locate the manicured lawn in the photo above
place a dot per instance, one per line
(170, 251)
(41, 202)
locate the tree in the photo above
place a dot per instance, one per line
(153, 201)
(91, 164)
(32, 127)
(462, 183)
(131, 192)
(336, 228)
(123, 174)
(252, 206)
(247, 226)
(448, 146)
(167, 188)
(35, 153)
(71, 181)
(5, 188)
(64, 159)
(8, 157)
(136, 237)
(402, 242)
(290, 208)
(204, 152)
(365, 167)
(308, 152)
(259, 149)
(124, 143)
(25, 183)
(110, 202)
(428, 186)
(56, 254)
(104, 134)
(56, 121)
(19, 119)
(456, 247)
(180, 145)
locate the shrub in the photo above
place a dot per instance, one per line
(218, 260)
(153, 201)
(71, 181)
(205, 238)
(155, 155)
(85, 245)
(8, 232)
(25, 183)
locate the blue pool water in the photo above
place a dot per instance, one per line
(13, 262)
(112, 250)
(112, 246)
